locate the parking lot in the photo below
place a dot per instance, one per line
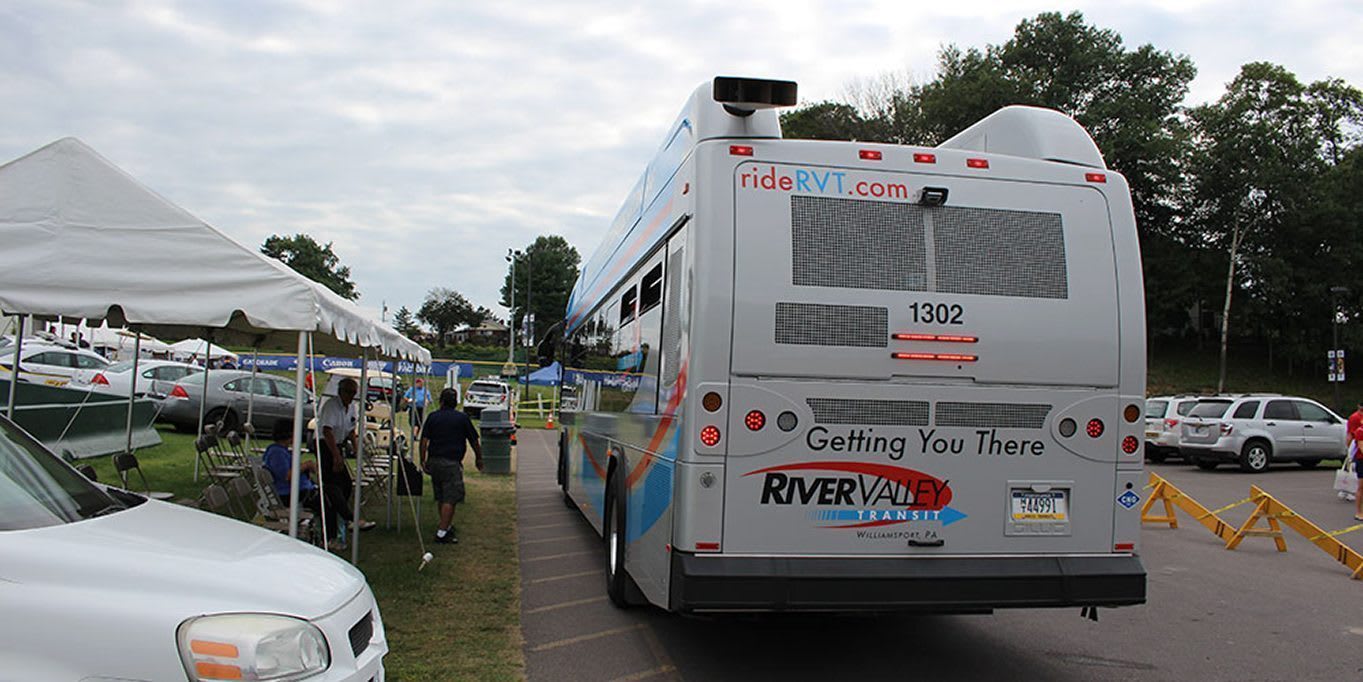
(1251, 614)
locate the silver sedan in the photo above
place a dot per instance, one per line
(230, 392)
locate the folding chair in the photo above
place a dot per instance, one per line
(89, 472)
(127, 461)
(273, 511)
(213, 462)
(213, 498)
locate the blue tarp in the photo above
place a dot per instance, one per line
(546, 376)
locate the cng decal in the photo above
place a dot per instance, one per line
(859, 494)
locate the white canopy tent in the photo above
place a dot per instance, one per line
(84, 239)
(197, 349)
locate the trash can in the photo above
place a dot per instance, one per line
(495, 432)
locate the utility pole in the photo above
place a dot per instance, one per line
(1335, 293)
(510, 367)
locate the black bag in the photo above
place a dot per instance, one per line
(410, 478)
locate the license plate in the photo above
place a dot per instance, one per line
(1152, 434)
(1029, 505)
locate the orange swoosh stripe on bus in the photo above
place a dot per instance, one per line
(600, 470)
(633, 249)
(669, 415)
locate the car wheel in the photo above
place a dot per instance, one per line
(1255, 456)
(1155, 455)
(1308, 463)
(1204, 464)
(229, 419)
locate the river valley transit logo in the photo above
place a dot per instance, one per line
(859, 494)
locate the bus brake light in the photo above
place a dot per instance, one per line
(740, 150)
(977, 163)
(1095, 428)
(869, 154)
(755, 420)
(710, 436)
(924, 158)
(948, 357)
(1099, 178)
(1130, 445)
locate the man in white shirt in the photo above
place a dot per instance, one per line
(338, 419)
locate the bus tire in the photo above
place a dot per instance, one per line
(563, 460)
(1256, 456)
(620, 587)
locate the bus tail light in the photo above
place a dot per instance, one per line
(945, 357)
(755, 420)
(977, 163)
(924, 158)
(1095, 428)
(710, 436)
(1130, 445)
(945, 338)
(740, 150)
(869, 155)
(707, 546)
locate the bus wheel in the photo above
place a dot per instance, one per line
(620, 587)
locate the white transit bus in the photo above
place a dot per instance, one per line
(814, 375)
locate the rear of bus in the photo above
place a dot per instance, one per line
(933, 394)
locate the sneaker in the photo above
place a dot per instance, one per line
(335, 545)
(448, 538)
(367, 525)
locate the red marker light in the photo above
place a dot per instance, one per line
(1124, 547)
(946, 357)
(1096, 177)
(915, 337)
(977, 163)
(755, 420)
(710, 436)
(1130, 445)
(945, 338)
(740, 150)
(925, 158)
(707, 546)
(1094, 428)
(869, 155)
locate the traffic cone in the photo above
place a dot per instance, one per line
(550, 423)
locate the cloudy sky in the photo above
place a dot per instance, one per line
(426, 138)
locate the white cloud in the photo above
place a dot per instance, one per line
(426, 138)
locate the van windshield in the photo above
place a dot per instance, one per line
(37, 489)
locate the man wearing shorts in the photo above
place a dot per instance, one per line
(443, 440)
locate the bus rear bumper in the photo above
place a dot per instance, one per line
(947, 584)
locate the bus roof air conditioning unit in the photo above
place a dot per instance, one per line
(1032, 133)
(742, 96)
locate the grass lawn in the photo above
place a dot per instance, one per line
(459, 618)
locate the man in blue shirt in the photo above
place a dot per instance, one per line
(417, 396)
(444, 442)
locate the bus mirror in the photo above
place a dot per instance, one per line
(742, 96)
(932, 196)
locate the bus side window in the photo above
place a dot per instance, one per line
(627, 307)
(651, 289)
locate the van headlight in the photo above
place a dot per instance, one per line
(252, 646)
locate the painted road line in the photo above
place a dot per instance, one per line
(586, 638)
(556, 538)
(567, 576)
(561, 556)
(565, 605)
(550, 525)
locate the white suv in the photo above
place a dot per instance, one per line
(1162, 417)
(1257, 430)
(486, 394)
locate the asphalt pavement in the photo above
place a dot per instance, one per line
(1212, 614)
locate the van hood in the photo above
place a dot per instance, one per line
(176, 555)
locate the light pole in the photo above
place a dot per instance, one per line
(1335, 293)
(510, 368)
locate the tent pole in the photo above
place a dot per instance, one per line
(296, 471)
(132, 390)
(203, 398)
(392, 442)
(14, 370)
(363, 427)
(251, 397)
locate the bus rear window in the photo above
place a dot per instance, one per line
(1210, 408)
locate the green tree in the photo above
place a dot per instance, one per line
(546, 271)
(444, 310)
(404, 322)
(315, 261)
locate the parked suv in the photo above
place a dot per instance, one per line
(1162, 417)
(1255, 431)
(486, 394)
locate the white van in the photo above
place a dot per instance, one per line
(98, 584)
